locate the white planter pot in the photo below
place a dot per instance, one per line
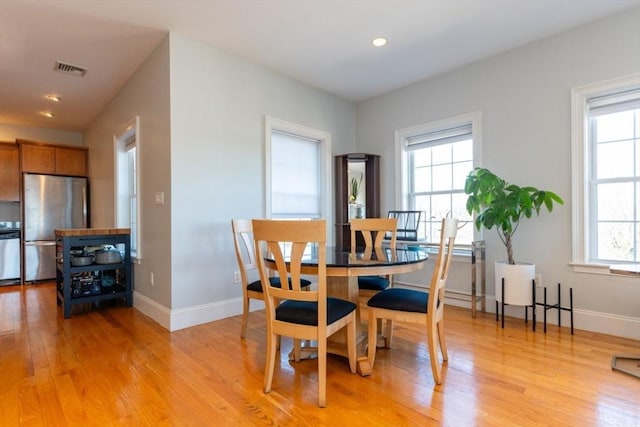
(518, 281)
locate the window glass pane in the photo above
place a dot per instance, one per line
(615, 241)
(423, 203)
(615, 159)
(460, 172)
(459, 207)
(441, 154)
(442, 177)
(463, 151)
(421, 157)
(615, 202)
(422, 179)
(614, 127)
(440, 206)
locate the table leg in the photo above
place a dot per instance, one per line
(347, 288)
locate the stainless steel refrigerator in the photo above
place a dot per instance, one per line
(50, 202)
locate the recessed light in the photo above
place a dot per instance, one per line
(48, 114)
(53, 98)
(379, 41)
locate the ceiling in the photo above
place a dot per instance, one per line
(324, 43)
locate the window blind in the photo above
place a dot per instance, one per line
(439, 137)
(295, 176)
(614, 103)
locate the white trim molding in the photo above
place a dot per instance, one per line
(579, 145)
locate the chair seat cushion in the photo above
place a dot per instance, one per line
(401, 300)
(275, 281)
(374, 283)
(306, 312)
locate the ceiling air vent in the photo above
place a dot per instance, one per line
(70, 69)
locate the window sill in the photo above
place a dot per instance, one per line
(603, 269)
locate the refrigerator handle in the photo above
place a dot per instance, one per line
(84, 207)
(40, 243)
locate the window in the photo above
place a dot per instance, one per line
(606, 175)
(127, 214)
(297, 171)
(435, 159)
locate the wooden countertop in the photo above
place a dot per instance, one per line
(90, 231)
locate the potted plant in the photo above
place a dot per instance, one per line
(355, 189)
(498, 203)
(356, 209)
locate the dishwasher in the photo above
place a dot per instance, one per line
(9, 256)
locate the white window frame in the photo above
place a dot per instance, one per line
(129, 131)
(401, 159)
(272, 124)
(580, 169)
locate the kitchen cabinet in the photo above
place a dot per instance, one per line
(53, 159)
(92, 283)
(9, 172)
(370, 165)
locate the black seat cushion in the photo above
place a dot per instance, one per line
(374, 283)
(275, 281)
(306, 312)
(401, 300)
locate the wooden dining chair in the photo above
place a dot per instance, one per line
(246, 258)
(290, 311)
(426, 308)
(374, 231)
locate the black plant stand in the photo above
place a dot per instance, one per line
(558, 306)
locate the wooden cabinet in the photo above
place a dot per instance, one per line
(9, 172)
(71, 161)
(53, 159)
(371, 184)
(95, 282)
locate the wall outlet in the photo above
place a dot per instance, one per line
(538, 280)
(236, 277)
(151, 279)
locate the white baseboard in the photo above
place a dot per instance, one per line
(174, 320)
(157, 312)
(604, 323)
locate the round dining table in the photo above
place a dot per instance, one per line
(343, 270)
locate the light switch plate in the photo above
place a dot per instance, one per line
(159, 196)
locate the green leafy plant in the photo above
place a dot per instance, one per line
(497, 203)
(355, 189)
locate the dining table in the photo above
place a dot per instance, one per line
(343, 269)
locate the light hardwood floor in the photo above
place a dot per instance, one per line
(115, 366)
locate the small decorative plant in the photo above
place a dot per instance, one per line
(497, 203)
(355, 189)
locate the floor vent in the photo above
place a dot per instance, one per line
(70, 69)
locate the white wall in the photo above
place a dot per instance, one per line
(524, 97)
(11, 132)
(218, 105)
(146, 95)
(202, 137)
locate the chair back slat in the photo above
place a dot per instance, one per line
(441, 271)
(286, 242)
(243, 244)
(373, 231)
